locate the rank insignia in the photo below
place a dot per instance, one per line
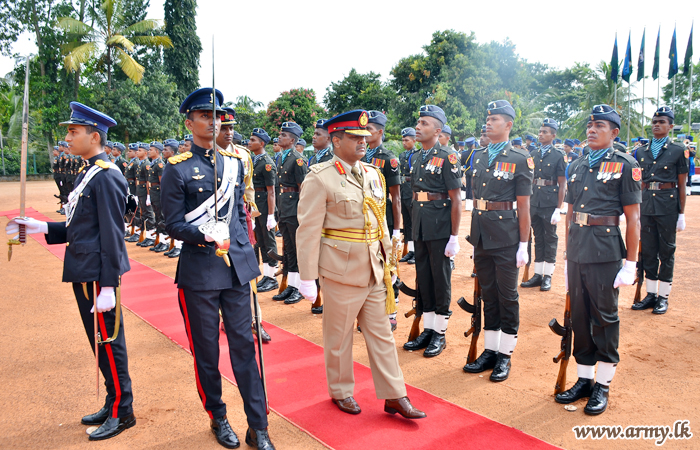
(453, 158)
(124, 164)
(636, 174)
(395, 163)
(160, 165)
(300, 162)
(340, 168)
(687, 153)
(268, 167)
(530, 163)
(363, 119)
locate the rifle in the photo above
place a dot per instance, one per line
(475, 311)
(283, 270)
(415, 326)
(566, 335)
(640, 275)
(526, 272)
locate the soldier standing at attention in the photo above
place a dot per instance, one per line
(501, 175)
(445, 135)
(277, 156)
(154, 175)
(148, 221)
(291, 171)
(406, 159)
(664, 172)
(467, 160)
(323, 150)
(119, 160)
(108, 150)
(549, 187)
(188, 144)
(437, 209)
(206, 284)
(348, 247)
(95, 260)
(601, 186)
(170, 149)
(55, 161)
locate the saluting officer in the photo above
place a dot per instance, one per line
(549, 187)
(155, 172)
(95, 260)
(408, 140)
(206, 284)
(664, 167)
(148, 221)
(347, 245)
(437, 209)
(601, 186)
(501, 175)
(291, 171)
(323, 150)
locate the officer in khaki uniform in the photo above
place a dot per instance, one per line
(351, 254)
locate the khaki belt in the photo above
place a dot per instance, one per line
(580, 218)
(485, 205)
(429, 196)
(542, 182)
(351, 234)
(284, 189)
(657, 186)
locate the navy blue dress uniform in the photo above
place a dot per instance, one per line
(291, 171)
(96, 254)
(155, 172)
(121, 161)
(500, 174)
(322, 155)
(661, 161)
(550, 165)
(599, 186)
(206, 285)
(147, 218)
(386, 162)
(434, 172)
(406, 159)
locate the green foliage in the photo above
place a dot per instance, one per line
(295, 105)
(680, 102)
(358, 91)
(182, 60)
(247, 117)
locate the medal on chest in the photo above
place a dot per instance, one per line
(504, 170)
(609, 171)
(376, 187)
(435, 165)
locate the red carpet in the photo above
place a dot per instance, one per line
(297, 383)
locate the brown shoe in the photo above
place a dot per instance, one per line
(348, 405)
(404, 407)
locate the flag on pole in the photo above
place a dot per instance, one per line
(614, 63)
(657, 54)
(640, 61)
(688, 54)
(673, 56)
(627, 68)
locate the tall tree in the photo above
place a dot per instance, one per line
(249, 114)
(358, 91)
(295, 105)
(182, 60)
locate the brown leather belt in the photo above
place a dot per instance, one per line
(657, 186)
(154, 183)
(485, 205)
(405, 179)
(580, 218)
(543, 182)
(429, 196)
(284, 189)
(257, 189)
(131, 179)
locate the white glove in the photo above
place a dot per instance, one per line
(393, 278)
(105, 300)
(271, 222)
(308, 289)
(521, 257)
(148, 200)
(566, 277)
(680, 225)
(32, 226)
(626, 275)
(252, 222)
(452, 247)
(556, 216)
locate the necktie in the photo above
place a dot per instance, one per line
(656, 145)
(357, 174)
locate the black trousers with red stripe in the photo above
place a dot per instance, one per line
(114, 363)
(200, 311)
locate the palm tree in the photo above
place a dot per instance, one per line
(111, 40)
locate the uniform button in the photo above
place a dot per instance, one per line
(445, 204)
(500, 217)
(654, 162)
(487, 170)
(671, 196)
(483, 184)
(540, 170)
(200, 189)
(81, 194)
(539, 187)
(67, 244)
(590, 170)
(422, 166)
(335, 246)
(479, 212)
(347, 199)
(421, 205)
(581, 206)
(219, 180)
(420, 179)
(547, 165)
(665, 167)
(608, 230)
(652, 174)
(585, 188)
(653, 195)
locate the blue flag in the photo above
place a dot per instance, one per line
(627, 68)
(673, 56)
(614, 63)
(640, 61)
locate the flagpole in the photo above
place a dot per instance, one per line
(643, 101)
(673, 102)
(690, 100)
(629, 118)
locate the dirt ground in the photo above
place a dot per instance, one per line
(47, 370)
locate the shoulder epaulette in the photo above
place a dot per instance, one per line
(81, 168)
(101, 164)
(316, 168)
(179, 158)
(231, 154)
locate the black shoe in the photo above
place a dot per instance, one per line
(127, 234)
(134, 238)
(409, 255)
(661, 306)
(422, 341)
(168, 252)
(485, 361)
(223, 432)
(393, 323)
(146, 243)
(648, 302)
(452, 264)
(158, 246)
(278, 234)
(317, 309)
(265, 337)
(436, 346)
(259, 439)
(535, 281)
(270, 285)
(262, 281)
(174, 253)
(163, 247)
(502, 368)
(581, 389)
(411, 261)
(97, 418)
(112, 427)
(546, 283)
(598, 402)
(284, 294)
(294, 297)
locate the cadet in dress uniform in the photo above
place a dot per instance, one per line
(206, 284)
(130, 175)
(95, 260)
(300, 146)
(277, 150)
(291, 171)
(601, 186)
(501, 175)
(346, 244)
(664, 167)
(549, 187)
(155, 173)
(147, 218)
(188, 143)
(170, 149)
(437, 208)
(406, 158)
(323, 150)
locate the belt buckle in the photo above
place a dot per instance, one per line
(655, 185)
(539, 182)
(482, 205)
(582, 218)
(422, 196)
